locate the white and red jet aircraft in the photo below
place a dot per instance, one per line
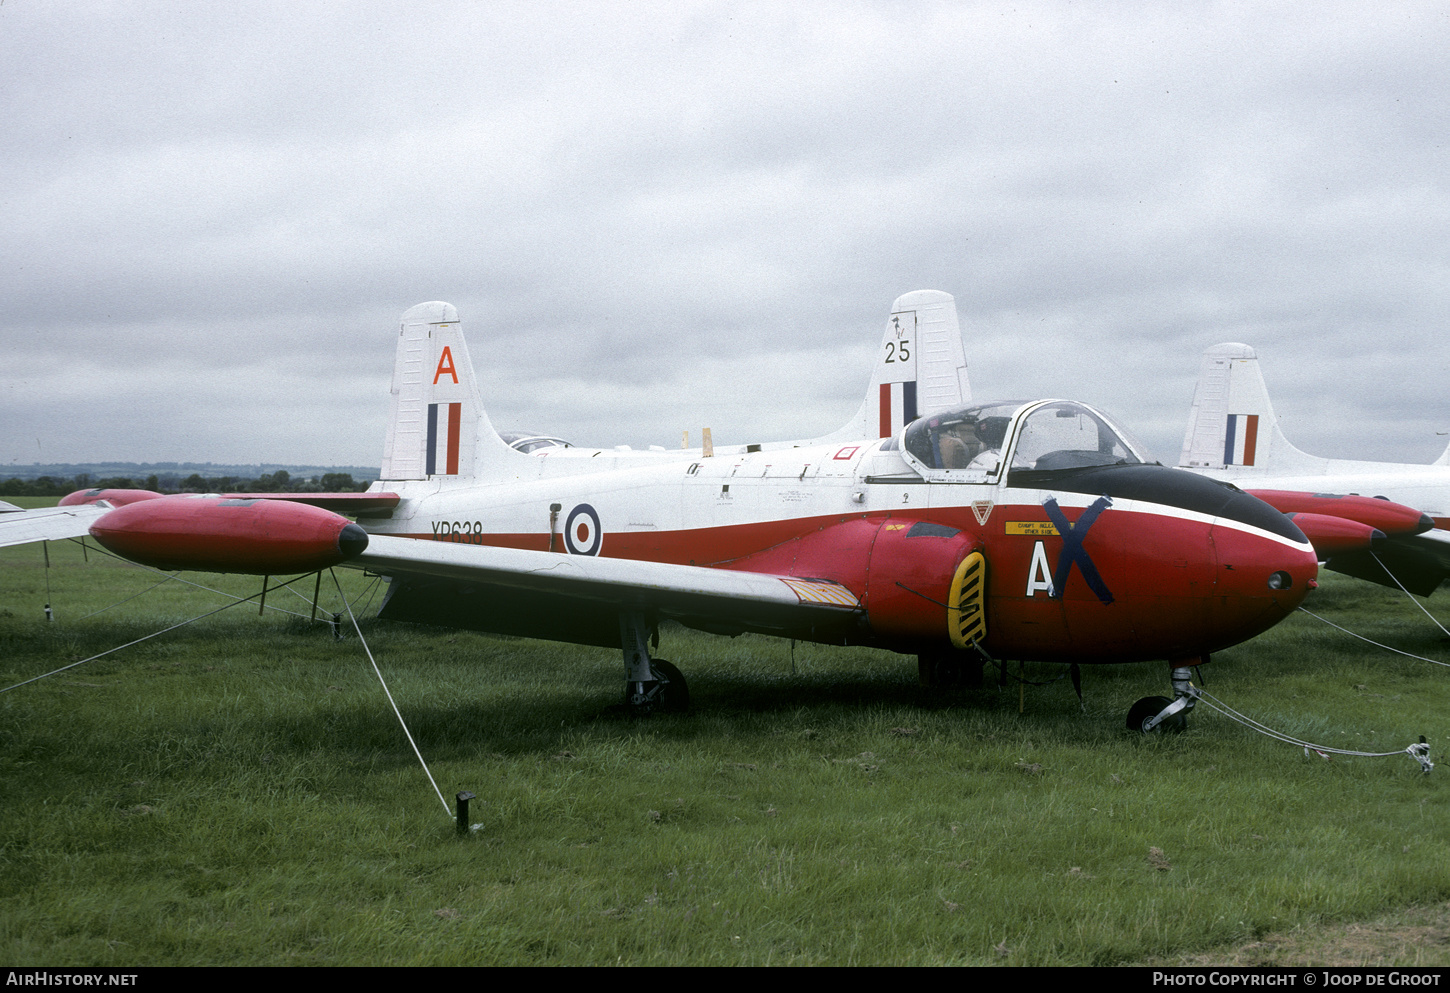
(942, 528)
(1234, 435)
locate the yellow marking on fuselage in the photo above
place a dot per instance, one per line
(1032, 528)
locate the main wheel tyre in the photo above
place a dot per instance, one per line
(949, 670)
(674, 695)
(938, 671)
(1150, 707)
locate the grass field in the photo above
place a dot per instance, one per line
(238, 792)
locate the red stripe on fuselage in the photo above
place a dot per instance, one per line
(885, 406)
(1118, 533)
(1181, 587)
(716, 546)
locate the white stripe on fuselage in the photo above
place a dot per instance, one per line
(694, 494)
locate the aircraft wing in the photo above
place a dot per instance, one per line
(579, 598)
(49, 523)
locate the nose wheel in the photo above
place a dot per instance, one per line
(1144, 716)
(1158, 714)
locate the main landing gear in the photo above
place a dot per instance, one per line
(667, 693)
(949, 670)
(1154, 714)
(650, 684)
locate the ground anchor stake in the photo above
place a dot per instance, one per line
(463, 799)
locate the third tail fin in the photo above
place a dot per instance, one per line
(1232, 424)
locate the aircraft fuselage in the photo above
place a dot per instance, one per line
(1169, 567)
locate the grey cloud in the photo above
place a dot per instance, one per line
(643, 212)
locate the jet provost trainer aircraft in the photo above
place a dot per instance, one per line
(1021, 530)
(1343, 505)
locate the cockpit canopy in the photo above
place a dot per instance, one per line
(528, 441)
(975, 443)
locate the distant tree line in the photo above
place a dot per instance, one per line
(280, 481)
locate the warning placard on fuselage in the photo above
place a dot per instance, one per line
(1040, 529)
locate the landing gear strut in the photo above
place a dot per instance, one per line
(650, 684)
(1156, 714)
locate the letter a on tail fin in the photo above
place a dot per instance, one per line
(921, 367)
(437, 426)
(1232, 424)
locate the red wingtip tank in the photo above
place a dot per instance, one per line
(1384, 515)
(116, 498)
(220, 534)
(1334, 535)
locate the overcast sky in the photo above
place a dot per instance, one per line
(660, 217)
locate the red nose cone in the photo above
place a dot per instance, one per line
(1259, 582)
(210, 534)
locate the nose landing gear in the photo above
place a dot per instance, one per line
(1157, 714)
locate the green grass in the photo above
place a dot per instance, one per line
(31, 502)
(238, 792)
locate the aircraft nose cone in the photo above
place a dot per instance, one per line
(1260, 581)
(352, 541)
(1291, 574)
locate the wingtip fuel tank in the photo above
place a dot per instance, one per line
(228, 534)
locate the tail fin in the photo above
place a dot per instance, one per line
(1232, 424)
(920, 368)
(437, 427)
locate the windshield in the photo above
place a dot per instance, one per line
(1068, 435)
(968, 443)
(527, 441)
